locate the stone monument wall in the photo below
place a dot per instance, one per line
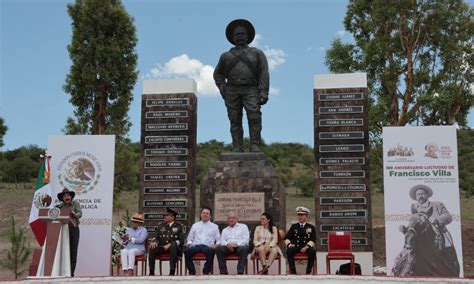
(342, 161)
(168, 150)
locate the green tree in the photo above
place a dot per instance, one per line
(19, 251)
(101, 78)
(466, 156)
(3, 130)
(418, 58)
(102, 74)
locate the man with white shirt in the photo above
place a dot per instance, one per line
(234, 239)
(202, 237)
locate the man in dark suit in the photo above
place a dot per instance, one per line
(169, 238)
(301, 238)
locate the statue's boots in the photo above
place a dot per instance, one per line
(255, 128)
(236, 131)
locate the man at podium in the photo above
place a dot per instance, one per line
(66, 197)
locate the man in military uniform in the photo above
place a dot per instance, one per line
(243, 81)
(301, 238)
(169, 238)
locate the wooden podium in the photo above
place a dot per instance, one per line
(55, 256)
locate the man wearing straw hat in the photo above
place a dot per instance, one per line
(243, 81)
(66, 197)
(134, 241)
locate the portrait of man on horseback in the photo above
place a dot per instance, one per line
(429, 248)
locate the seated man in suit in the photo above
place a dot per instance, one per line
(234, 239)
(202, 237)
(301, 238)
(169, 238)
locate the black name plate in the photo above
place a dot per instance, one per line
(343, 109)
(341, 97)
(344, 227)
(165, 190)
(166, 102)
(341, 148)
(164, 203)
(166, 139)
(166, 114)
(159, 216)
(165, 177)
(341, 135)
(342, 174)
(342, 187)
(341, 214)
(355, 241)
(342, 122)
(342, 161)
(166, 165)
(166, 127)
(166, 152)
(341, 200)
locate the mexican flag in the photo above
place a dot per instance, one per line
(42, 198)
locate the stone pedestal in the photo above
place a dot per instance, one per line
(247, 184)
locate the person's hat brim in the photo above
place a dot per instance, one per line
(229, 31)
(300, 210)
(62, 193)
(171, 211)
(427, 189)
(137, 217)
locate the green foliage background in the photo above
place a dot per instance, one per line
(294, 163)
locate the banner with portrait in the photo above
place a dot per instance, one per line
(85, 165)
(422, 206)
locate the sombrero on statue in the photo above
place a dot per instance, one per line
(427, 189)
(229, 31)
(61, 194)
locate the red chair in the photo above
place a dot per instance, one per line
(200, 256)
(234, 256)
(255, 258)
(138, 258)
(340, 247)
(304, 256)
(166, 257)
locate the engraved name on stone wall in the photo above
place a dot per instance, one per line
(166, 152)
(166, 102)
(166, 114)
(343, 214)
(166, 139)
(341, 109)
(166, 127)
(341, 97)
(165, 190)
(166, 164)
(342, 122)
(342, 187)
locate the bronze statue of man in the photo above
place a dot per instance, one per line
(243, 81)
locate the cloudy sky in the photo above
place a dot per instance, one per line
(176, 39)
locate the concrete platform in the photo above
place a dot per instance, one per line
(250, 279)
